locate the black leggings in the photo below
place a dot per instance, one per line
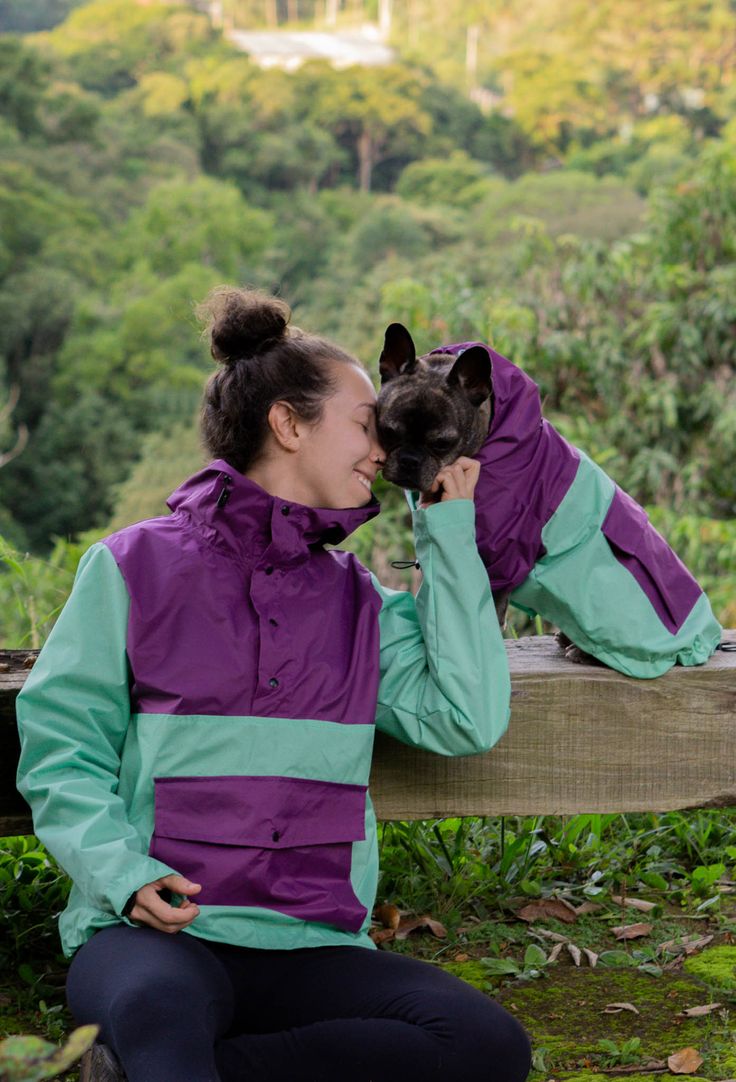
(179, 1009)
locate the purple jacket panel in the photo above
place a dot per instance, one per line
(527, 467)
(283, 628)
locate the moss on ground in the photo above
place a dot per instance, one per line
(591, 1076)
(715, 967)
(471, 972)
(563, 1013)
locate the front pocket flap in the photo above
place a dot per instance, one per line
(268, 812)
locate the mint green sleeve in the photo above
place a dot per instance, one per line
(445, 682)
(73, 715)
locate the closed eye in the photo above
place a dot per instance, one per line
(440, 446)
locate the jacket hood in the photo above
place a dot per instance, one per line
(244, 515)
(517, 409)
(526, 469)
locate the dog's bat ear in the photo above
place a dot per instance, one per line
(399, 355)
(473, 371)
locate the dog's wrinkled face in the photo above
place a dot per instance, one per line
(430, 410)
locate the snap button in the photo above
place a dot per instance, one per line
(273, 682)
(285, 510)
(275, 836)
(272, 622)
(269, 570)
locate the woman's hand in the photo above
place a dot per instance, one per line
(150, 908)
(454, 482)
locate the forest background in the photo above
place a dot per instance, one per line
(571, 199)
(555, 177)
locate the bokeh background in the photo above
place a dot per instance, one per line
(555, 177)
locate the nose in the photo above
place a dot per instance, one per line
(378, 455)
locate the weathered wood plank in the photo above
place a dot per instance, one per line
(582, 739)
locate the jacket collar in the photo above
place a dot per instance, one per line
(236, 511)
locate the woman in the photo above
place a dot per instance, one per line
(197, 733)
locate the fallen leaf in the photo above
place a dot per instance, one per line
(554, 954)
(574, 953)
(462, 957)
(548, 907)
(550, 935)
(635, 903)
(388, 915)
(686, 1061)
(616, 1008)
(698, 1012)
(685, 944)
(411, 924)
(381, 935)
(587, 907)
(631, 931)
(697, 944)
(591, 956)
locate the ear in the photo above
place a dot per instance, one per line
(399, 355)
(284, 425)
(473, 371)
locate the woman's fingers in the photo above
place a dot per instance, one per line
(455, 482)
(150, 908)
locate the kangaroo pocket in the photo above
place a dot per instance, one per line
(272, 842)
(662, 576)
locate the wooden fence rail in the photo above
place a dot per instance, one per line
(582, 738)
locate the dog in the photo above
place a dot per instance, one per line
(557, 536)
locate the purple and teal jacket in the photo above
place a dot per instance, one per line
(207, 700)
(572, 546)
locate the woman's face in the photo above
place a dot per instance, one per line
(339, 455)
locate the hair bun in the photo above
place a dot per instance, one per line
(241, 322)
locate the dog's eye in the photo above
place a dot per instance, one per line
(440, 446)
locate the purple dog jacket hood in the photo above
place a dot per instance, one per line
(238, 609)
(527, 467)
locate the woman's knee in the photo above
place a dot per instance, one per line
(488, 1043)
(130, 976)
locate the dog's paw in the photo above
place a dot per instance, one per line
(574, 653)
(579, 657)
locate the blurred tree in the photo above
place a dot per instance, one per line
(221, 230)
(377, 112)
(452, 180)
(25, 16)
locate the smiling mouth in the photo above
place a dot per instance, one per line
(365, 481)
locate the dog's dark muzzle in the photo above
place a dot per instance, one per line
(410, 468)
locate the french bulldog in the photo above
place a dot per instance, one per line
(556, 535)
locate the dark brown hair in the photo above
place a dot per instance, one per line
(263, 360)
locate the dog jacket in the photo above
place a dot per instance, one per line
(553, 528)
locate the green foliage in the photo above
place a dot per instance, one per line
(33, 890)
(222, 231)
(31, 1059)
(531, 967)
(33, 591)
(445, 865)
(622, 1054)
(150, 160)
(434, 181)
